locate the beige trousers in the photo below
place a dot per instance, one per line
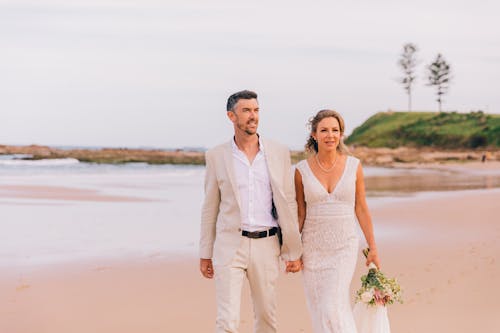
(258, 260)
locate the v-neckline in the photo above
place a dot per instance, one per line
(336, 184)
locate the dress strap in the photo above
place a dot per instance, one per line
(302, 167)
(352, 165)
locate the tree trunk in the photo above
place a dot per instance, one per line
(439, 97)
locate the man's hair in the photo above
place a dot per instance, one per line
(234, 98)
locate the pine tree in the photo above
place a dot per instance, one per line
(439, 76)
(408, 62)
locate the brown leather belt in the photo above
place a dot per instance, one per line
(260, 234)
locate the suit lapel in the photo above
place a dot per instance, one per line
(228, 162)
(272, 168)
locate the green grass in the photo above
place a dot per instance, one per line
(428, 129)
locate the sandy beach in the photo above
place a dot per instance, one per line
(442, 249)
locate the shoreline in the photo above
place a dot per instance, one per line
(387, 157)
(443, 256)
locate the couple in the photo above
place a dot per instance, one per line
(253, 213)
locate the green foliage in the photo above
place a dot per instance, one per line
(439, 77)
(380, 289)
(428, 129)
(372, 279)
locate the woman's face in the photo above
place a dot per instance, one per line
(327, 134)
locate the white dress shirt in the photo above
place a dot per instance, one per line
(254, 186)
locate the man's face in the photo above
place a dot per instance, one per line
(245, 116)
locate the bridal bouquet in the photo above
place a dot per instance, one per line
(377, 290)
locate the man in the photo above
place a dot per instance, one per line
(249, 207)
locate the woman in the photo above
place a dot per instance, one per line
(330, 196)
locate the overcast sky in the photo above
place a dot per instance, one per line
(158, 73)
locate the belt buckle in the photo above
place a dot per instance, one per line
(254, 234)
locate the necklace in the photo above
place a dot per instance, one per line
(321, 167)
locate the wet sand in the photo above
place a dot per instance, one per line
(408, 178)
(457, 167)
(443, 248)
(61, 193)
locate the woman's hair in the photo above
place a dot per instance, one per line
(312, 145)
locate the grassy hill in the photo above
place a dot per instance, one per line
(428, 129)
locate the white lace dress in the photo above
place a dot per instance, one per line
(331, 242)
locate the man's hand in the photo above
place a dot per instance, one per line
(293, 266)
(206, 268)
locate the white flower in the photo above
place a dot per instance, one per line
(366, 297)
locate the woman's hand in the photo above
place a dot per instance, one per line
(373, 258)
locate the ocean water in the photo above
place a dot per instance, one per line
(161, 215)
(40, 231)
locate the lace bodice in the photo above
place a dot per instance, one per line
(340, 201)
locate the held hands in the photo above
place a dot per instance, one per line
(294, 266)
(207, 268)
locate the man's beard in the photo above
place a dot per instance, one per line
(246, 130)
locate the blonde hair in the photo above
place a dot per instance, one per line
(312, 145)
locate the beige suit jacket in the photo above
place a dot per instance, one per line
(220, 233)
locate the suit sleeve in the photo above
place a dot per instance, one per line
(292, 245)
(210, 209)
(290, 185)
